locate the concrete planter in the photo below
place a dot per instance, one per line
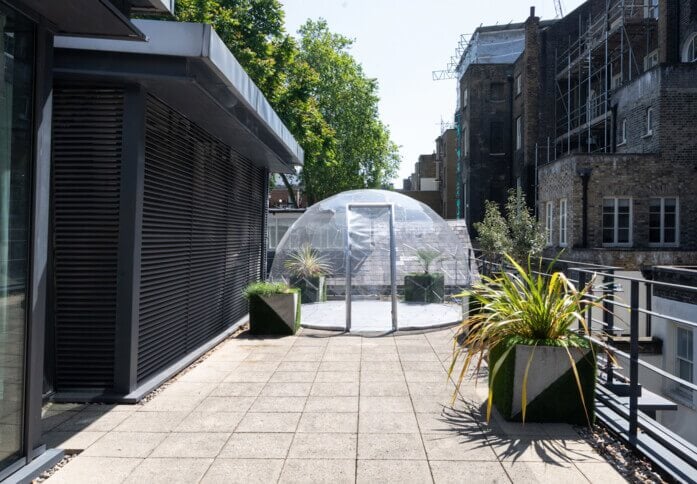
(552, 391)
(312, 289)
(424, 288)
(275, 314)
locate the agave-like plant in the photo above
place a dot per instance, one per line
(307, 262)
(520, 306)
(427, 257)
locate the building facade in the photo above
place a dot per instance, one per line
(27, 31)
(593, 113)
(134, 199)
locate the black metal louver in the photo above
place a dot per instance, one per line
(87, 139)
(201, 237)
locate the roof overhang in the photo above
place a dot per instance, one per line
(86, 18)
(188, 66)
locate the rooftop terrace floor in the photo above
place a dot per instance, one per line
(317, 407)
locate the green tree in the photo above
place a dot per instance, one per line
(348, 101)
(519, 234)
(316, 87)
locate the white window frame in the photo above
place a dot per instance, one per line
(623, 132)
(689, 53)
(651, 9)
(465, 96)
(465, 141)
(683, 393)
(615, 224)
(518, 85)
(662, 227)
(616, 81)
(651, 60)
(563, 225)
(549, 221)
(519, 133)
(649, 121)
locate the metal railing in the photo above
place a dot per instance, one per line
(623, 401)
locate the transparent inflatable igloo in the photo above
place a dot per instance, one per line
(376, 261)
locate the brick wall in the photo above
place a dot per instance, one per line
(486, 175)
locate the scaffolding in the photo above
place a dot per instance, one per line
(611, 49)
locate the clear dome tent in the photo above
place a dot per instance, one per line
(374, 260)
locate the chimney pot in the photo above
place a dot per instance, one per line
(532, 11)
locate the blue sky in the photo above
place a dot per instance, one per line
(400, 42)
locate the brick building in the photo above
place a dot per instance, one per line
(594, 114)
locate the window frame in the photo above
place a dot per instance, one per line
(691, 44)
(615, 226)
(519, 133)
(623, 132)
(661, 227)
(649, 121)
(563, 223)
(549, 223)
(684, 394)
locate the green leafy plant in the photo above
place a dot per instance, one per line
(427, 257)
(307, 262)
(522, 306)
(261, 288)
(519, 234)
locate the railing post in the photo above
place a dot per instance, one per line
(634, 361)
(649, 293)
(608, 314)
(581, 285)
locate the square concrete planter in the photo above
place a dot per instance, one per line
(424, 288)
(552, 391)
(312, 289)
(275, 314)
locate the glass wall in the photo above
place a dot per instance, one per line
(16, 104)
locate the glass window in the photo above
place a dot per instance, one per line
(562, 222)
(518, 84)
(663, 221)
(649, 121)
(518, 133)
(617, 221)
(691, 49)
(16, 134)
(684, 360)
(623, 132)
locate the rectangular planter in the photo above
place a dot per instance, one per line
(424, 288)
(552, 391)
(275, 314)
(312, 289)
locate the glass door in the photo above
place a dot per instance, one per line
(16, 129)
(371, 303)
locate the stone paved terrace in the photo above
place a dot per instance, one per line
(317, 407)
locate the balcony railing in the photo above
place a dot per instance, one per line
(626, 329)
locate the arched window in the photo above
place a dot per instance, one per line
(690, 50)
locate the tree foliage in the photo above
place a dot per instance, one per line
(519, 234)
(315, 85)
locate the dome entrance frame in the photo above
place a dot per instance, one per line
(352, 213)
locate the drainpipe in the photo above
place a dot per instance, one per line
(511, 133)
(585, 174)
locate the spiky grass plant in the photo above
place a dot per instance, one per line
(307, 262)
(427, 257)
(522, 306)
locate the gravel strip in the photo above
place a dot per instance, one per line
(631, 465)
(49, 472)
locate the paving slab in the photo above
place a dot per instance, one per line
(318, 408)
